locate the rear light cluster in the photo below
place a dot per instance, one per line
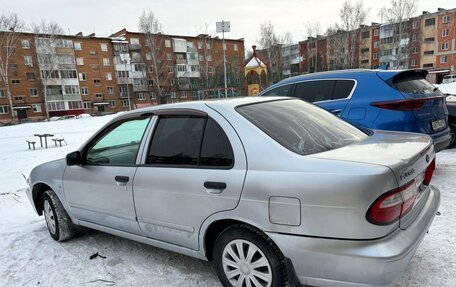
(404, 105)
(394, 204)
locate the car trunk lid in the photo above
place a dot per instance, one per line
(407, 155)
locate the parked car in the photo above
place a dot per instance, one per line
(377, 99)
(274, 190)
(449, 79)
(452, 123)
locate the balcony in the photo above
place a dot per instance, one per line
(192, 50)
(140, 88)
(124, 81)
(123, 95)
(184, 87)
(134, 47)
(75, 97)
(181, 61)
(54, 98)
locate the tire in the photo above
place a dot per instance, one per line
(260, 261)
(453, 135)
(57, 220)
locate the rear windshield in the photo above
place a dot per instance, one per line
(413, 84)
(301, 127)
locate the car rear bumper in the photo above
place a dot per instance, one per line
(335, 262)
(442, 140)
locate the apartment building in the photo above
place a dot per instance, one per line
(291, 60)
(55, 75)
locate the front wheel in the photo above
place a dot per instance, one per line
(244, 256)
(57, 220)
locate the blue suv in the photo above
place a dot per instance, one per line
(377, 99)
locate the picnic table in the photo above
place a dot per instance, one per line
(45, 136)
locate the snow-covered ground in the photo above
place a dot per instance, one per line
(30, 257)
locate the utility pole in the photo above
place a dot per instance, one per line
(223, 27)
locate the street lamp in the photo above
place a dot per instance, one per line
(222, 27)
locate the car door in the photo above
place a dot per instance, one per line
(194, 166)
(100, 189)
(332, 95)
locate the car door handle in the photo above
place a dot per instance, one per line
(336, 112)
(121, 180)
(214, 187)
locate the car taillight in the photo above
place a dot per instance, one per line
(429, 172)
(393, 205)
(404, 105)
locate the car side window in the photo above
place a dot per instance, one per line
(281, 91)
(315, 91)
(118, 146)
(216, 148)
(343, 89)
(189, 141)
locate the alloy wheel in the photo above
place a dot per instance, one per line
(49, 216)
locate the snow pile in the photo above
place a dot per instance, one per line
(30, 257)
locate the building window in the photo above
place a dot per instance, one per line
(375, 57)
(209, 58)
(140, 96)
(2, 94)
(429, 22)
(95, 67)
(445, 33)
(87, 105)
(68, 74)
(429, 52)
(443, 59)
(77, 46)
(28, 61)
(104, 47)
(171, 69)
(82, 76)
(74, 105)
(112, 103)
(235, 47)
(106, 62)
(110, 90)
(172, 82)
(375, 44)
(168, 43)
(122, 74)
(429, 65)
(36, 108)
(445, 46)
(414, 37)
(172, 95)
(183, 94)
(153, 96)
(96, 82)
(3, 110)
(71, 90)
(134, 41)
(16, 82)
(365, 35)
(92, 52)
(33, 92)
(415, 50)
(138, 82)
(99, 96)
(124, 103)
(80, 61)
(376, 32)
(108, 76)
(84, 91)
(365, 50)
(30, 76)
(181, 68)
(429, 40)
(413, 63)
(446, 19)
(19, 98)
(25, 44)
(416, 24)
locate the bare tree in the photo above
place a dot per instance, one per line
(271, 43)
(47, 40)
(352, 16)
(312, 30)
(155, 54)
(10, 28)
(337, 48)
(206, 44)
(398, 14)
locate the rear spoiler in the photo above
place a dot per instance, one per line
(391, 77)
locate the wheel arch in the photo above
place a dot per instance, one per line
(37, 195)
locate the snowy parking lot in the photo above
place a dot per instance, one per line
(30, 257)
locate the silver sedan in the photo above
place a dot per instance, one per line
(275, 191)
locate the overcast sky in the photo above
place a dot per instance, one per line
(189, 17)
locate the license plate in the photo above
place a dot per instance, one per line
(438, 125)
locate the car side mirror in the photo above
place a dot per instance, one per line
(74, 158)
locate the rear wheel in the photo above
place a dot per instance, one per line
(452, 134)
(57, 220)
(246, 257)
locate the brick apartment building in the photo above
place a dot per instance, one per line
(90, 74)
(427, 41)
